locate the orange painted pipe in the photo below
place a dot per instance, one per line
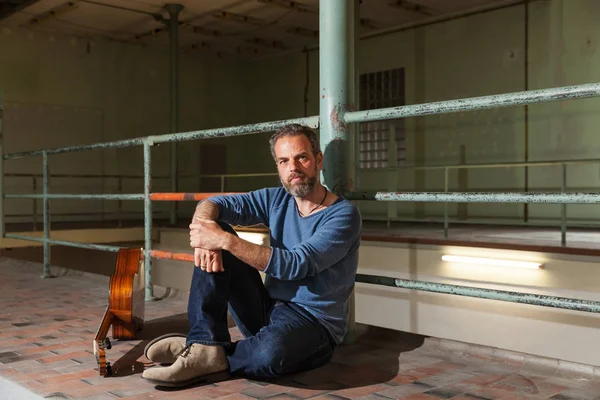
(172, 256)
(186, 196)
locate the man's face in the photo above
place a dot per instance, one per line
(297, 165)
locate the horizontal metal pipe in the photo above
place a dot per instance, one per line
(24, 175)
(184, 196)
(90, 246)
(230, 175)
(168, 255)
(234, 130)
(476, 103)
(128, 176)
(481, 197)
(76, 196)
(71, 149)
(367, 170)
(481, 293)
(175, 137)
(478, 166)
(84, 213)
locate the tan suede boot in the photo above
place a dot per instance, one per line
(198, 363)
(165, 349)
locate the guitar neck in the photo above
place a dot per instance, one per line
(107, 321)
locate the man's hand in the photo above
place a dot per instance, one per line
(207, 238)
(207, 235)
(209, 260)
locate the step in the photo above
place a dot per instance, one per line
(180, 238)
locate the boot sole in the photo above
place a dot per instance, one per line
(153, 341)
(209, 378)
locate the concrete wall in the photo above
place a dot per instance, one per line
(63, 91)
(553, 43)
(548, 332)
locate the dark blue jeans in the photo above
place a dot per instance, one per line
(280, 337)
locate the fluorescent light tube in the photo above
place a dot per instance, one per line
(492, 261)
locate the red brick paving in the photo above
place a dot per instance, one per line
(47, 327)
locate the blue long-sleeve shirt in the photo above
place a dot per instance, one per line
(314, 258)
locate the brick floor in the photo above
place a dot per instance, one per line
(47, 327)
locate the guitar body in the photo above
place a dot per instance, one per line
(125, 311)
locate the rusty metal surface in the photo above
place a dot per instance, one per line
(174, 137)
(80, 245)
(477, 103)
(480, 197)
(186, 196)
(482, 293)
(172, 256)
(83, 196)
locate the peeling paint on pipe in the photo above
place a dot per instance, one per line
(312, 122)
(91, 246)
(76, 196)
(168, 255)
(185, 196)
(481, 197)
(476, 103)
(481, 293)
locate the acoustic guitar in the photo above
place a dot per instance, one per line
(125, 311)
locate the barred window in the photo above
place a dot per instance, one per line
(379, 90)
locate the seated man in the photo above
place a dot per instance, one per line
(293, 321)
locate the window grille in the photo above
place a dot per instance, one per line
(379, 90)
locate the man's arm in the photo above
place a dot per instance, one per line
(207, 234)
(207, 260)
(243, 209)
(206, 210)
(325, 248)
(252, 254)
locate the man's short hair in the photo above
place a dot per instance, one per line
(296, 130)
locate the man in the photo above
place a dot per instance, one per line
(293, 321)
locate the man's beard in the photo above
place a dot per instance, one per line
(300, 189)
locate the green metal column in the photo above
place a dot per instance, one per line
(336, 90)
(174, 10)
(1, 168)
(337, 38)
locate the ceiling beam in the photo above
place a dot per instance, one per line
(11, 7)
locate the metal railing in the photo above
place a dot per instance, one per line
(509, 99)
(223, 179)
(336, 60)
(147, 196)
(120, 178)
(447, 168)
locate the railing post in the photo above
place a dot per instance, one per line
(147, 221)
(446, 203)
(46, 217)
(120, 202)
(2, 230)
(34, 215)
(563, 209)
(222, 183)
(392, 175)
(174, 10)
(337, 36)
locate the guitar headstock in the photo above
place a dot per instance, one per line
(100, 347)
(101, 343)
